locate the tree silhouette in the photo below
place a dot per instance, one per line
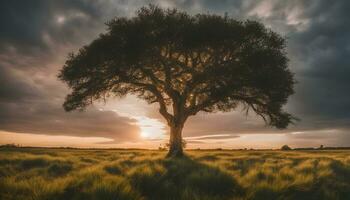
(186, 64)
(285, 148)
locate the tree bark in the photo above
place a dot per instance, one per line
(175, 143)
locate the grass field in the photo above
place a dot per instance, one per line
(34, 173)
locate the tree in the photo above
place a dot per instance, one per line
(285, 148)
(186, 64)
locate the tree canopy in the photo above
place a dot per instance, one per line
(186, 64)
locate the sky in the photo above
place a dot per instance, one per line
(37, 35)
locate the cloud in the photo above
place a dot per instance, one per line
(31, 102)
(217, 136)
(37, 25)
(210, 138)
(44, 118)
(37, 38)
(318, 45)
(327, 137)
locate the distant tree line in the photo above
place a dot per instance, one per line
(286, 148)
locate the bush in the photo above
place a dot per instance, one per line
(285, 148)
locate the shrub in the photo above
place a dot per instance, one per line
(285, 148)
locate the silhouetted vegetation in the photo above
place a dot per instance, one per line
(186, 64)
(61, 174)
(323, 148)
(9, 146)
(286, 148)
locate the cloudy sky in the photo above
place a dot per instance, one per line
(37, 35)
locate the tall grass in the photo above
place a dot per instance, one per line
(36, 173)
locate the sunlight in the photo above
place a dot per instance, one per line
(29, 139)
(150, 128)
(145, 134)
(60, 19)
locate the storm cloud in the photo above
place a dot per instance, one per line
(36, 37)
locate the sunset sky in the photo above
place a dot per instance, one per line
(37, 35)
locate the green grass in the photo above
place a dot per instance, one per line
(37, 173)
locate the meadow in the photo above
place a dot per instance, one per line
(43, 173)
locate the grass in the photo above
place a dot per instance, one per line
(38, 173)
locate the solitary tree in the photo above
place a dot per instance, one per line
(186, 64)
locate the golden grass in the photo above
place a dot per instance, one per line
(37, 173)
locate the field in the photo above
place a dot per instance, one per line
(38, 173)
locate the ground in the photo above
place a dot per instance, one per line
(39, 173)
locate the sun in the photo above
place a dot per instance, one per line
(145, 134)
(150, 128)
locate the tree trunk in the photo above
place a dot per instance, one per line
(175, 143)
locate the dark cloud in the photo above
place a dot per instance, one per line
(318, 47)
(34, 41)
(38, 25)
(323, 49)
(228, 123)
(12, 88)
(37, 35)
(31, 102)
(43, 118)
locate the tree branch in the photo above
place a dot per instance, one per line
(153, 89)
